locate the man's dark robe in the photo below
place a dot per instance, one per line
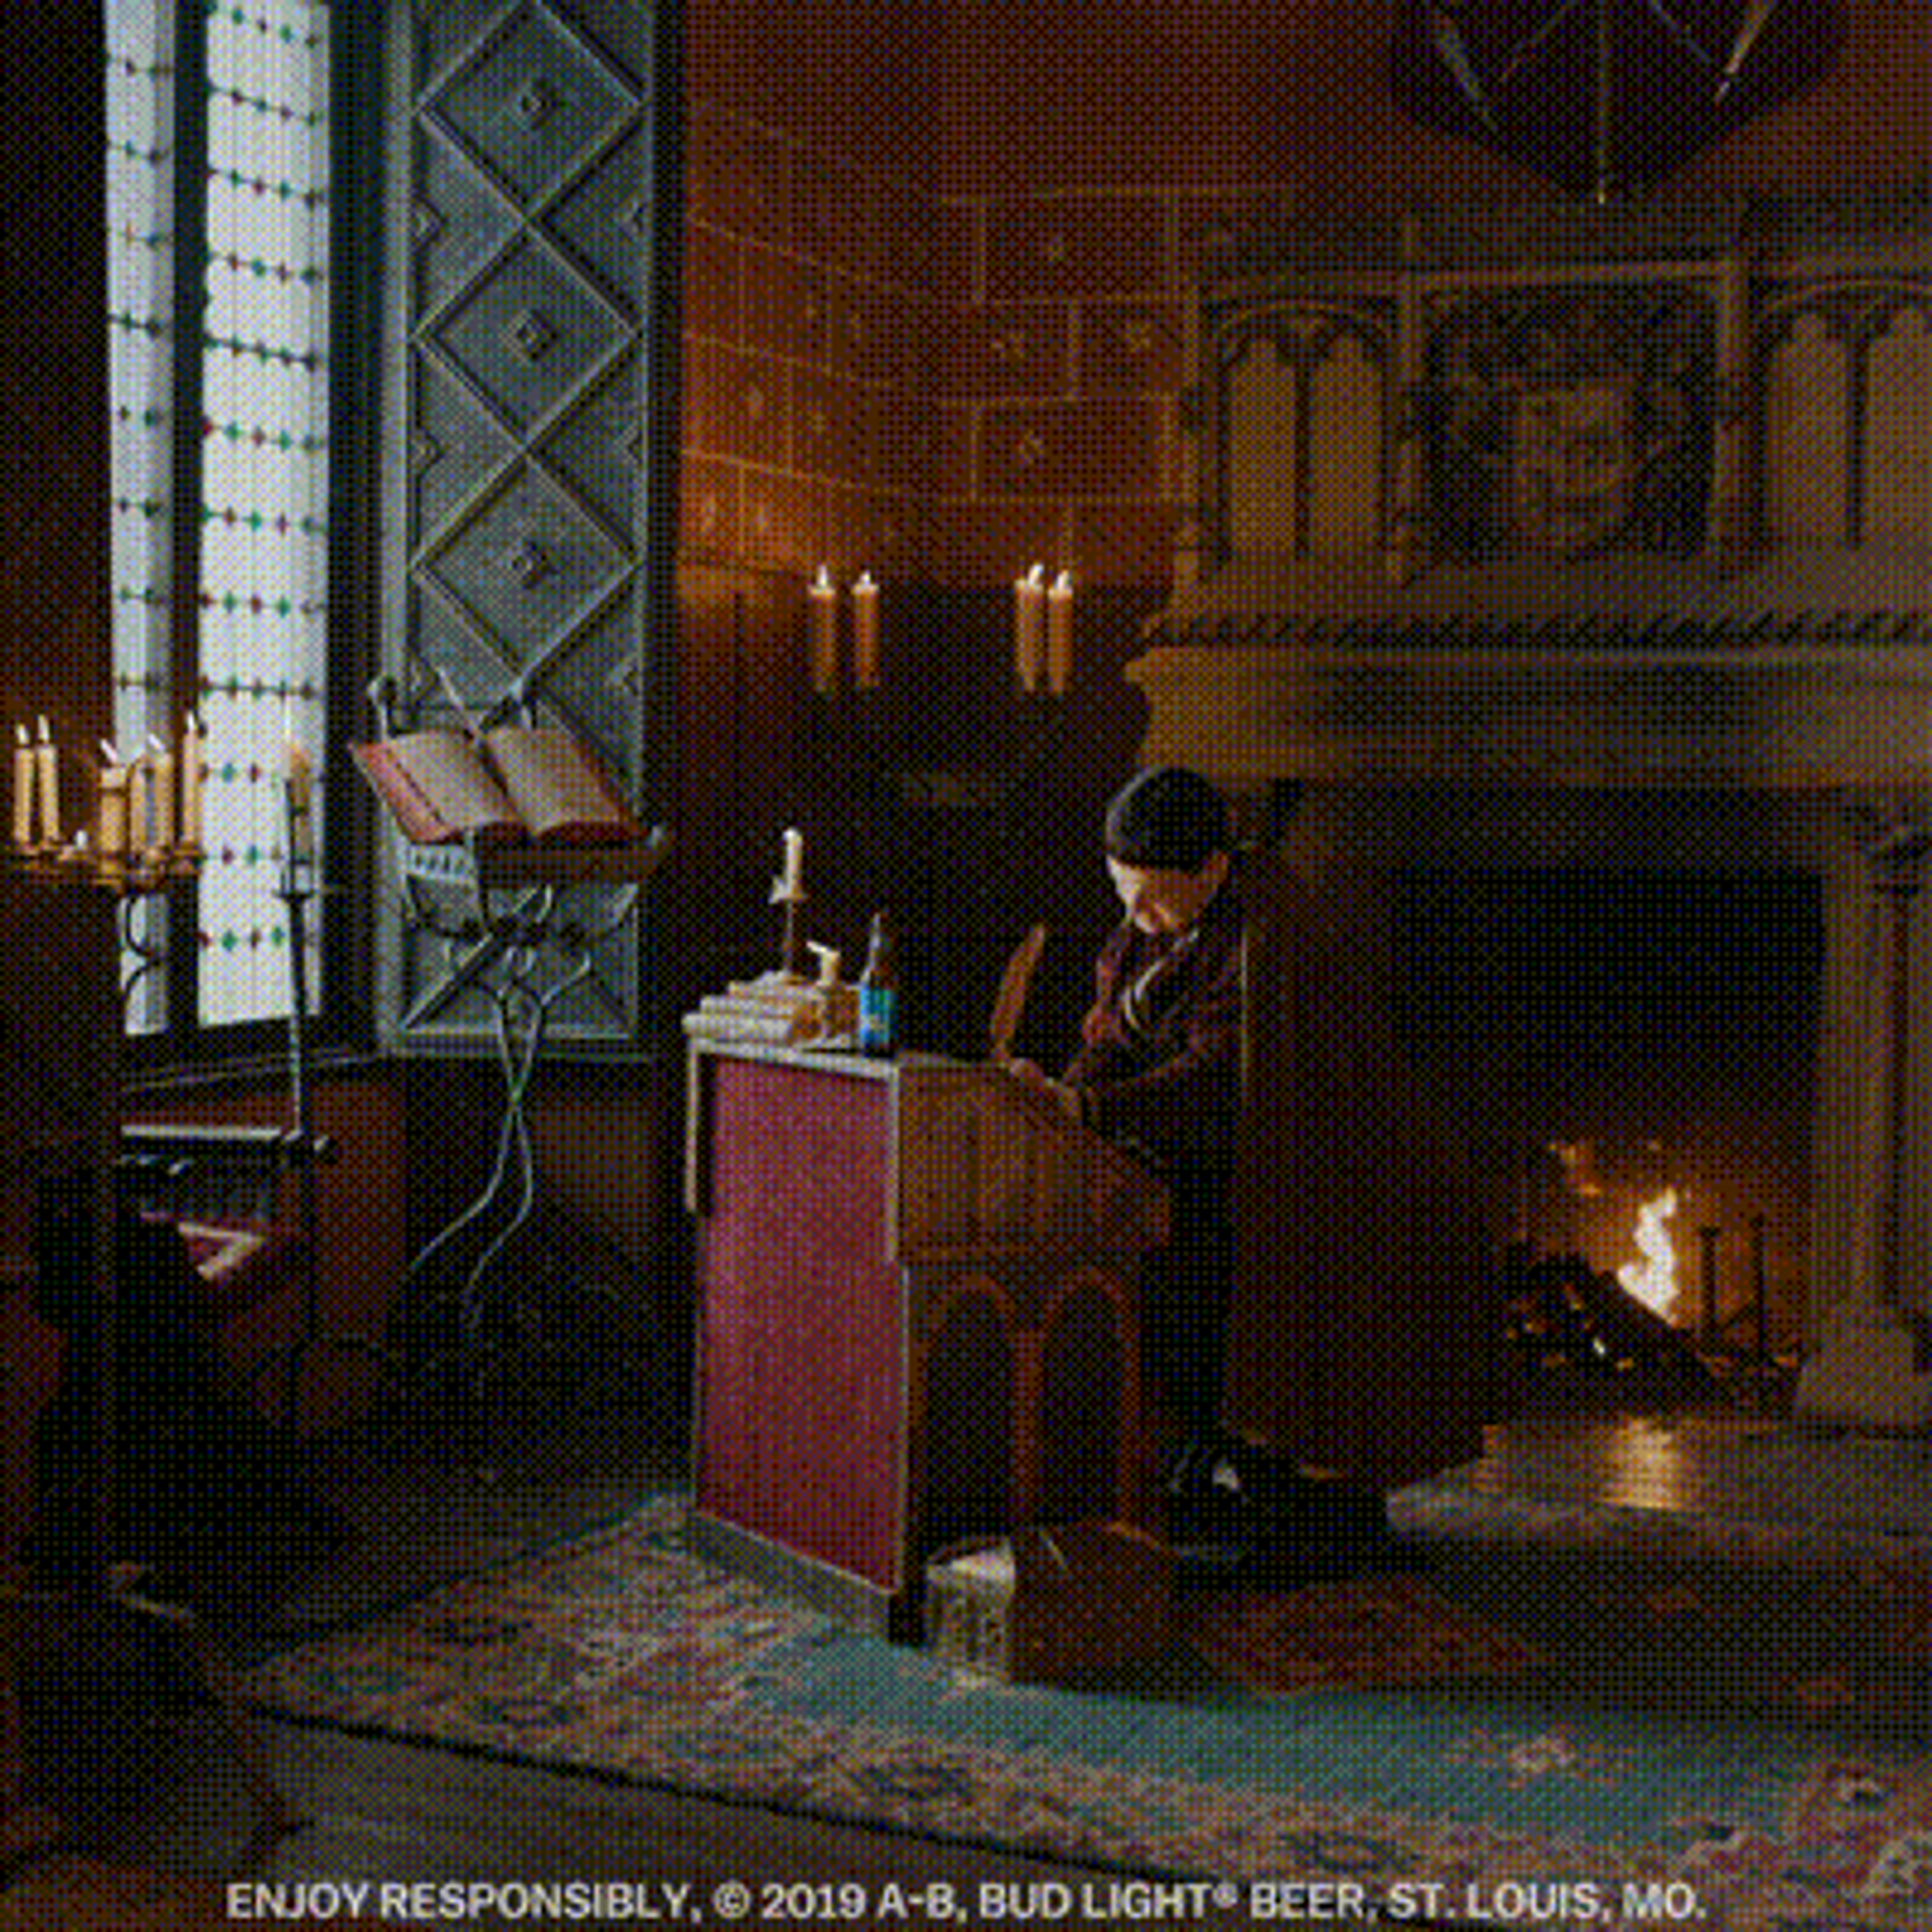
(1365, 1331)
(1329, 1294)
(1160, 1046)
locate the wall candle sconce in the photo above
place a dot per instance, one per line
(1030, 627)
(1059, 634)
(822, 635)
(866, 633)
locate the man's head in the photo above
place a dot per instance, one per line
(1167, 840)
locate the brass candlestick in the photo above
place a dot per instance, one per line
(788, 891)
(791, 945)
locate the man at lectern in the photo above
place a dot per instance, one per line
(1156, 1071)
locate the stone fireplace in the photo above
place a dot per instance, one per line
(1584, 544)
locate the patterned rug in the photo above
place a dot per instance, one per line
(1627, 1740)
(1369, 1632)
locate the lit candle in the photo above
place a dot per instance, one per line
(823, 600)
(161, 780)
(23, 787)
(1060, 633)
(140, 792)
(194, 777)
(791, 881)
(110, 834)
(46, 760)
(865, 632)
(299, 790)
(1029, 626)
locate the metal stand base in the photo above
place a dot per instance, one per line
(489, 1305)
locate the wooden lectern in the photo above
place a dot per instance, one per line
(916, 1321)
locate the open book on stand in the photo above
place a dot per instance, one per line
(511, 784)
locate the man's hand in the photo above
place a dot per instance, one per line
(1030, 1073)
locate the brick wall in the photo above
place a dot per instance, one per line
(806, 314)
(948, 391)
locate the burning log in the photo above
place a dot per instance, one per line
(1564, 1313)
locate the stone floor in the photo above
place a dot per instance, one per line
(1737, 1459)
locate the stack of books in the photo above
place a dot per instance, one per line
(777, 1010)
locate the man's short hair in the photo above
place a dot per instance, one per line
(1167, 818)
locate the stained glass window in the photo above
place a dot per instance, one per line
(218, 222)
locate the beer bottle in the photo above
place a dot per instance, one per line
(879, 991)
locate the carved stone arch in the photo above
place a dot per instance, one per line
(1305, 329)
(1838, 465)
(1303, 392)
(1894, 463)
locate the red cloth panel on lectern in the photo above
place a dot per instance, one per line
(803, 1430)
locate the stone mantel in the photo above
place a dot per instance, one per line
(1759, 719)
(1804, 669)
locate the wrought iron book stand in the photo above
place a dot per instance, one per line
(521, 925)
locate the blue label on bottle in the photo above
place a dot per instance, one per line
(878, 1017)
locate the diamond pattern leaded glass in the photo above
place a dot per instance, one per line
(259, 634)
(264, 587)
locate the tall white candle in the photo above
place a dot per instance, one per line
(110, 832)
(791, 881)
(140, 795)
(46, 760)
(24, 767)
(1059, 634)
(162, 778)
(194, 777)
(1030, 627)
(299, 784)
(865, 632)
(822, 600)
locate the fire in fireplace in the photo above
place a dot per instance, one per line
(1636, 1051)
(1652, 1280)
